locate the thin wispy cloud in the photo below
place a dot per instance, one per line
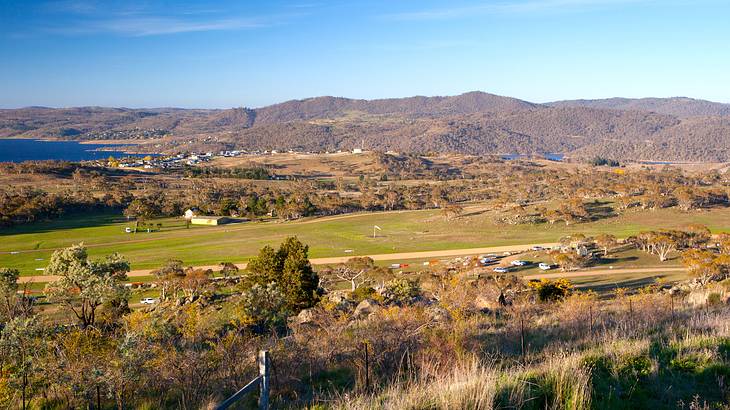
(507, 7)
(135, 19)
(152, 26)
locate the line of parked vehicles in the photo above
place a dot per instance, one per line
(486, 260)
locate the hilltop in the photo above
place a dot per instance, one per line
(681, 107)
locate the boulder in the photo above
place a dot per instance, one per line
(697, 298)
(337, 297)
(481, 302)
(304, 317)
(439, 314)
(366, 308)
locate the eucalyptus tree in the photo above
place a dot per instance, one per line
(84, 284)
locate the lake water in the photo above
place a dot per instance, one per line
(19, 150)
(548, 155)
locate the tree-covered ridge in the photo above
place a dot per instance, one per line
(474, 123)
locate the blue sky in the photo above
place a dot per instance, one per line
(222, 54)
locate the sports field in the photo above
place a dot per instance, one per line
(28, 247)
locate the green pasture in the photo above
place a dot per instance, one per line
(28, 247)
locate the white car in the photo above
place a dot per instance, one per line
(537, 248)
(148, 301)
(486, 261)
(545, 266)
(519, 263)
(501, 269)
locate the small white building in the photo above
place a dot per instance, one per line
(357, 151)
(190, 214)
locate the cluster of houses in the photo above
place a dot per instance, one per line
(181, 160)
(175, 161)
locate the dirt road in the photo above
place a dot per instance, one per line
(341, 259)
(602, 272)
(429, 255)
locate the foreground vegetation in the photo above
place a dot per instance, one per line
(449, 340)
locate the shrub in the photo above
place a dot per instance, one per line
(362, 293)
(263, 307)
(401, 291)
(634, 367)
(550, 291)
(688, 363)
(714, 299)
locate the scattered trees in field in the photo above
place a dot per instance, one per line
(600, 161)
(84, 284)
(660, 243)
(12, 304)
(705, 265)
(569, 260)
(168, 277)
(606, 242)
(511, 187)
(228, 269)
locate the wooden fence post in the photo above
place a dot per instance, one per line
(590, 315)
(264, 364)
(522, 336)
(367, 368)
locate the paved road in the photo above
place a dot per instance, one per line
(341, 259)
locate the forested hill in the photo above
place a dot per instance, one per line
(678, 106)
(474, 123)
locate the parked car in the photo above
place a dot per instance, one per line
(501, 269)
(545, 266)
(538, 248)
(519, 263)
(487, 261)
(148, 301)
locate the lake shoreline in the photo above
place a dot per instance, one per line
(33, 149)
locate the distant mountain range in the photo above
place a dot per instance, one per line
(681, 107)
(474, 123)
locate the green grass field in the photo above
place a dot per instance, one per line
(405, 231)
